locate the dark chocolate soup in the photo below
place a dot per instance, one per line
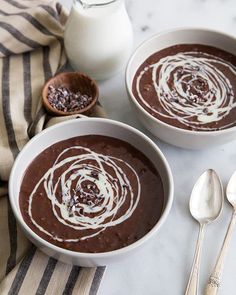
(91, 194)
(189, 86)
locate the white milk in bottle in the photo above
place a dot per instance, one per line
(98, 37)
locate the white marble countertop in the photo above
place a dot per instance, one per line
(163, 266)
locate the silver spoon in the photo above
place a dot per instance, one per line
(214, 280)
(205, 206)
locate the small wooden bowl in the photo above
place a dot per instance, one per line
(74, 81)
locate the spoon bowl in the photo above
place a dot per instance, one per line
(206, 200)
(231, 190)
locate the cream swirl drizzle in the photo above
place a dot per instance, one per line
(94, 191)
(200, 93)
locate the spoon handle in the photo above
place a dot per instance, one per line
(192, 287)
(214, 280)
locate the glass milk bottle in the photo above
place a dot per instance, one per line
(98, 37)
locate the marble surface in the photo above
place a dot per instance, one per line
(163, 266)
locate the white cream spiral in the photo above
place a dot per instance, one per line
(191, 89)
(94, 191)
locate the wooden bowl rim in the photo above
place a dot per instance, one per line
(51, 109)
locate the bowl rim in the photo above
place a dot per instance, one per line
(145, 112)
(56, 249)
(57, 112)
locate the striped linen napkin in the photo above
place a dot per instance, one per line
(31, 51)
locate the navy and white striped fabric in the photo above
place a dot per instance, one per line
(31, 51)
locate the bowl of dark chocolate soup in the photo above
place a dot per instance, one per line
(182, 85)
(90, 191)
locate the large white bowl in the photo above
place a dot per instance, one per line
(81, 127)
(168, 133)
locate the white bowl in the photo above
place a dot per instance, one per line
(168, 133)
(79, 127)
